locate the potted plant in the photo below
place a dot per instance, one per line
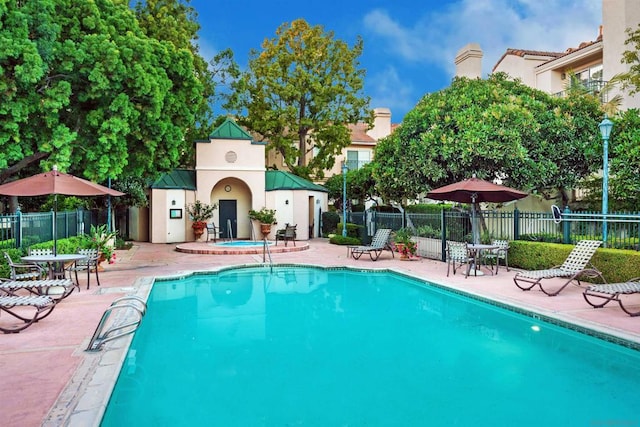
(266, 218)
(404, 245)
(104, 241)
(199, 213)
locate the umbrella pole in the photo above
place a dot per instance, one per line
(474, 226)
(55, 224)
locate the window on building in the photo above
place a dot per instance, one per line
(357, 159)
(591, 78)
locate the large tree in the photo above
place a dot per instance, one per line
(85, 87)
(299, 93)
(360, 185)
(625, 162)
(494, 128)
(631, 57)
(175, 21)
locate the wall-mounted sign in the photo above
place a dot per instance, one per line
(175, 213)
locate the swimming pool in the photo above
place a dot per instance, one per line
(327, 347)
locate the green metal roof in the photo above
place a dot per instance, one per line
(183, 179)
(230, 130)
(280, 180)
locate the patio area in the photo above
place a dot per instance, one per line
(46, 371)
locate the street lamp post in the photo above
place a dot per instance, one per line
(605, 131)
(344, 198)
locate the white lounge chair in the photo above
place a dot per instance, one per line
(574, 267)
(18, 306)
(614, 292)
(379, 242)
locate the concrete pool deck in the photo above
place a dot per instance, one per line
(41, 366)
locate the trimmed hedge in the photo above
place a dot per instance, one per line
(65, 246)
(616, 265)
(353, 230)
(339, 240)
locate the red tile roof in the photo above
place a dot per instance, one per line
(359, 133)
(552, 55)
(522, 52)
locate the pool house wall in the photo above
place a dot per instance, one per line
(230, 173)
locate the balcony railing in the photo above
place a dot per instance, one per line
(594, 87)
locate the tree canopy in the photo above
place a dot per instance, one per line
(494, 128)
(90, 88)
(299, 93)
(631, 79)
(625, 162)
(360, 185)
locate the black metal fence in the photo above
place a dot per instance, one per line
(623, 228)
(21, 230)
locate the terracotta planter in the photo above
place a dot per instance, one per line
(265, 229)
(198, 229)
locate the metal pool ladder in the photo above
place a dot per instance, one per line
(115, 331)
(265, 252)
(229, 231)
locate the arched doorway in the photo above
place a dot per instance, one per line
(233, 197)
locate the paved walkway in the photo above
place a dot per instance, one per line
(41, 364)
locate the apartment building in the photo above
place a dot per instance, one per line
(594, 62)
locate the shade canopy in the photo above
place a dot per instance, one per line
(55, 182)
(475, 190)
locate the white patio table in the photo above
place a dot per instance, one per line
(56, 262)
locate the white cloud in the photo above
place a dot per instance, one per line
(389, 90)
(435, 38)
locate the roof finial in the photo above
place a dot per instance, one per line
(54, 168)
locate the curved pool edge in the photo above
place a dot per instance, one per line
(201, 248)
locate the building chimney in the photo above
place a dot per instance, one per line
(381, 123)
(469, 61)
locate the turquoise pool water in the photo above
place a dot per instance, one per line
(336, 347)
(242, 243)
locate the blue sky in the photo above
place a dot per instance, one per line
(409, 45)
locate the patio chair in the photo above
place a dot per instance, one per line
(213, 231)
(24, 271)
(19, 306)
(287, 234)
(457, 256)
(88, 264)
(613, 292)
(574, 267)
(495, 255)
(379, 243)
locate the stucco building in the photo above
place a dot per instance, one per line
(594, 62)
(230, 172)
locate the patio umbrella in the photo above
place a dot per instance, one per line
(475, 190)
(55, 182)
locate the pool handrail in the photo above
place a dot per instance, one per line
(100, 338)
(265, 252)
